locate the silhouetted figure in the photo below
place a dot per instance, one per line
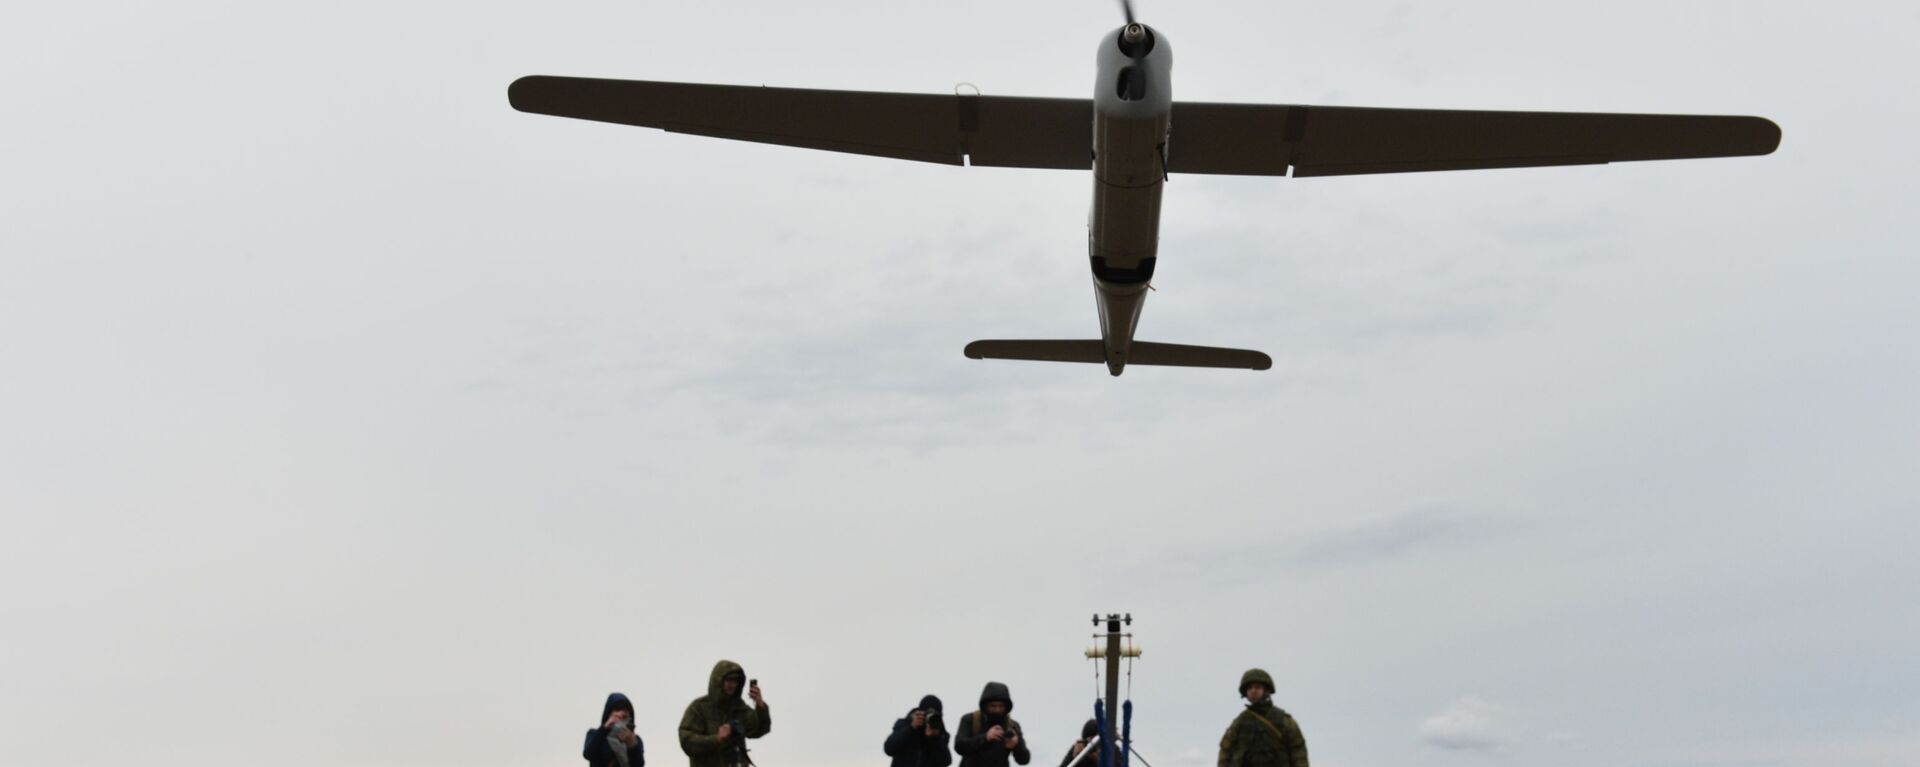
(614, 743)
(919, 739)
(1087, 732)
(985, 738)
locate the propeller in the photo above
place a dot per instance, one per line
(1126, 9)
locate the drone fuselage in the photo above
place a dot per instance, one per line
(1132, 114)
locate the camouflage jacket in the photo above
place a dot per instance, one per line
(1262, 735)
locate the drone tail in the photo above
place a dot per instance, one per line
(1138, 353)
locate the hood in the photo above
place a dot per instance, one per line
(1090, 729)
(930, 703)
(995, 691)
(721, 671)
(616, 702)
(1256, 675)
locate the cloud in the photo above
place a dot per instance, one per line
(1395, 536)
(1468, 724)
(1409, 534)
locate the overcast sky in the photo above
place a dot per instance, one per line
(350, 417)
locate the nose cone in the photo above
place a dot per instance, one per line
(1135, 41)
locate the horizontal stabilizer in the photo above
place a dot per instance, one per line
(1039, 351)
(1141, 353)
(1181, 355)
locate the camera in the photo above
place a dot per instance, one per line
(933, 719)
(736, 745)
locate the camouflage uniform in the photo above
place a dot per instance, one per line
(1263, 735)
(705, 714)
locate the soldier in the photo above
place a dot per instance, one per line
(1262, 735)
(985, 738)
(715, 724)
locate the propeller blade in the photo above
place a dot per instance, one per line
(1126, 8)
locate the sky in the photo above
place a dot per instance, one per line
(350, 417)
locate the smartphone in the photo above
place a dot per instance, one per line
(753, 683)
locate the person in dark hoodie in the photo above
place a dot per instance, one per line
(985, 738)
(614, 743)
(1262, 735)
(1087, 732)
(706, 729)
(919, 739)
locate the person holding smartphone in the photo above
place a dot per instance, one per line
(614, 743)
(717, 723)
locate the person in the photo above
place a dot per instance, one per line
(986, 737)
(1262, 735)
(614, 743)
(919, 739)
(1087, 733)
(715, 726)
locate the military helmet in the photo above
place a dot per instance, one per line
(1255, 675)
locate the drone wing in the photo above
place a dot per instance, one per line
(955, 130)
(1267, 140)
(1243, 139)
